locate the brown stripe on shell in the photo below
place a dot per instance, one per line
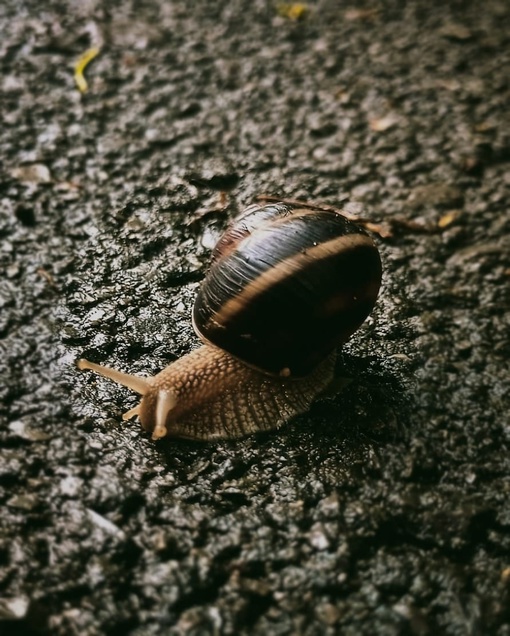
(286, 268)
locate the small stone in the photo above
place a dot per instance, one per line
(327, 613)
(34, 173)
(23, 502)
(71, 486)
(104, 524)
(13, 608)
(318, 538)
(329, 506)
(18, 427)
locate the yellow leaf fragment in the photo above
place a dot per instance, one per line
(292, 10)
(80, 66)
(448, 218)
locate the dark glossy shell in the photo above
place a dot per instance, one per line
(286, 286)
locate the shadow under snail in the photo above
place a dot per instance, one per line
(287, 286)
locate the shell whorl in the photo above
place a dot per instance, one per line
(286, 286)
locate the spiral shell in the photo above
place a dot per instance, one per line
(287, 285)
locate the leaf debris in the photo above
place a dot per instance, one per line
(83, 61)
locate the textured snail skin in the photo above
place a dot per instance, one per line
(209, 395)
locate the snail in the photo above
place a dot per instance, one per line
(287, 285)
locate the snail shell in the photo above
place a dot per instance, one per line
(287, 285)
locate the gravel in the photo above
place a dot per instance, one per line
(386, 509)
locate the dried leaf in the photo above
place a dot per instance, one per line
(360, 14)
(380, 124)
(80, 66)
(448, 218)
(293, 10)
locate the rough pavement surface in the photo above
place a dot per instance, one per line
(386, 509)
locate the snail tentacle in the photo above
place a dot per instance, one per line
(134, 382)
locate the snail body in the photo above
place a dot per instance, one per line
(287, 285)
